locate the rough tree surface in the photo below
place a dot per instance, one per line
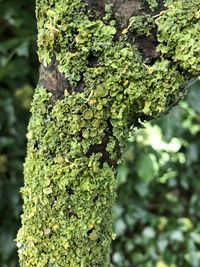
(105, 67)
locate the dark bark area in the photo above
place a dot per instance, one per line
(55, 81)
(123, 10)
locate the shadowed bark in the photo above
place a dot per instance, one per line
(123, 10)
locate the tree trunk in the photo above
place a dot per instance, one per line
(105, 67)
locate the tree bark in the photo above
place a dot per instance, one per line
(99, 77)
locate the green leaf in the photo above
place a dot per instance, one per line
(145, 167)
(122, 174)
(194, 94)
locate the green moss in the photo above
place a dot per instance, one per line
(69, 190)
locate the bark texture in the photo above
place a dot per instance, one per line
(105, 67)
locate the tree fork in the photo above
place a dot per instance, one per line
(105, 67)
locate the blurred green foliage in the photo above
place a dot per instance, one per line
(157, 211)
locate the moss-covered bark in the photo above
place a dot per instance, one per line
(98, 79)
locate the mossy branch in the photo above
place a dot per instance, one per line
(98, 78)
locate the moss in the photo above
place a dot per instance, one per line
(70, 184)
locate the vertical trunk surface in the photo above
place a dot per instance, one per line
(103, 70)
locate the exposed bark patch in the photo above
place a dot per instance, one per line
(122, 9)
(51, 79)
(147, 47)
(102, 149)
(147, 44)
(93, 61)
(161, 6)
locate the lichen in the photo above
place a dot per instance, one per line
(68, 197)
(179, 34)
(74, 142)
(153, 4)
(143, 25)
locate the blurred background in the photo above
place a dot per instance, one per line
(158, 205)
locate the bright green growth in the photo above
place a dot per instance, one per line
(108, 12)
(69, 186)
(68, 196)
(179, 34)
(153, 4)
(142, 25)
